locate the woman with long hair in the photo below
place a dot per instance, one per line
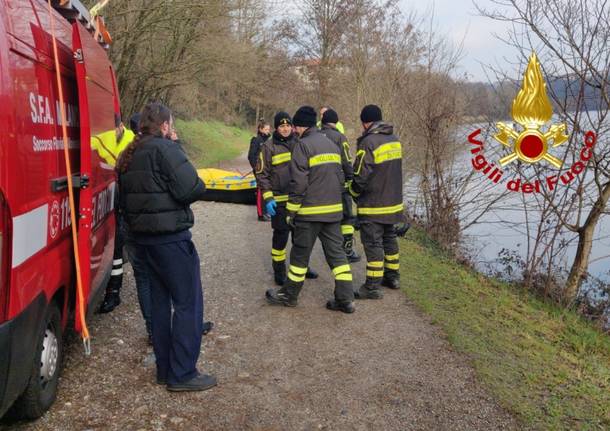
(157, 184)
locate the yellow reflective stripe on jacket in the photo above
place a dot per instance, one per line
(360, 154)
(386, 152)
(324, 158)
(292, 207)
(278, 159)
(322, 209)
(346, 150)
(267, 195)
(281, 198)
(381, 210)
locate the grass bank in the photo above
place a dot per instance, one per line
(209, 142)
(544, 364)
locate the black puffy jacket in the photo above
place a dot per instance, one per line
(157, 189)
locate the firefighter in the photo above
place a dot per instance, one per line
(330, 119)
(110, 149)
(273, 177)
(263, 131)
(314, 210)
(338, 125)
(377, 190)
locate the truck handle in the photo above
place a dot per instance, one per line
(78, 182)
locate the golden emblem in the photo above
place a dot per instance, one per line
(531, 109)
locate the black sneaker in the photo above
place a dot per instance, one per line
(200, 382)
(111, 301)
(345, 307)
(207, 327)
(364, 293)
(311, 274)
(277, 297)
(353, 257)
(392, 283)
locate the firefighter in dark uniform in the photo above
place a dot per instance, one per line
(273, 177)
(330, 119)
(315, 210)
(377, 190)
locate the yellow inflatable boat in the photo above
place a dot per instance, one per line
(228, 186)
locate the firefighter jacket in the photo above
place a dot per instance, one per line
(377, 184)
(339, 126)
(273, 168)
(316, 179)
(340, 140)
(158, 187)
(107, 146)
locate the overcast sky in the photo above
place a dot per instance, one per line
(459, 21)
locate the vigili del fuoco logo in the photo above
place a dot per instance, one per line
(533, 141)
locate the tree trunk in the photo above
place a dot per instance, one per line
(583, 250)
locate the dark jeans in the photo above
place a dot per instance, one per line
(175, 279)
(137, 258)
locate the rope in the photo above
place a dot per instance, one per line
(80, 299)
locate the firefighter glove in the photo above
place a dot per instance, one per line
(270, 207)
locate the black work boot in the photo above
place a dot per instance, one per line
(311, 274)
(391, 282)
(345, 307)
(279, 273)
(348, 247)
(280, 297)
(367, 293)
(111, 301)
(200, 382)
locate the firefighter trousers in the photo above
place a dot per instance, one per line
(304, 238)
(382, 255)
(279, 241)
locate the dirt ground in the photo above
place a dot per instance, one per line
(385, 367)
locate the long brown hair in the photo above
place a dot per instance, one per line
(151, 119)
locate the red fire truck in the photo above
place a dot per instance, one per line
(45, 48)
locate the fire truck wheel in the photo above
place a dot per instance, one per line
(41, 390)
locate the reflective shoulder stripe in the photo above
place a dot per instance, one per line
(262, 162)
(381, 210)
(267, 195)
(359, 154)
(280, 158)
(324, 158)
(292, 207)
(386, 152)
(346, 150)
(281, 198)
(322, 209)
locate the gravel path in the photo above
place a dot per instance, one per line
(384, 367)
